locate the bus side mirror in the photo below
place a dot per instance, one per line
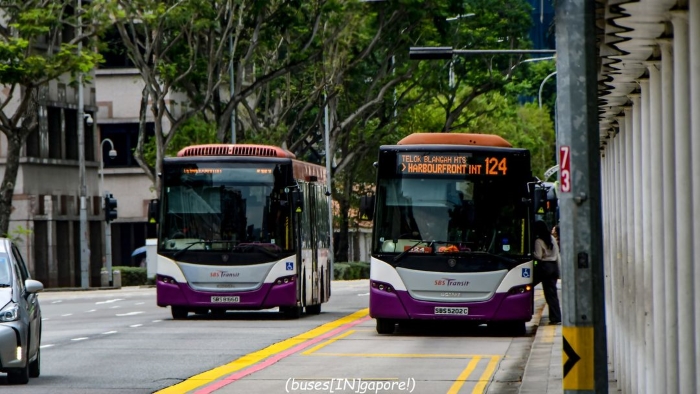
(367, 207)
(297, 201)
(153, 211)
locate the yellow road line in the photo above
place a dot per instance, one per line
(247, 360)
(486, 376)
(328, 342)
(463, 376)
(403, 355)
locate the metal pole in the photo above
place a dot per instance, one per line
(694, 55)
(585, 368)
(108, 225)
(648, 354)
(232, 83)
(684, 205)
(669, 217)
(657, 235)
(84, 251)
(630, 313)
(637, 266)
(329, 183)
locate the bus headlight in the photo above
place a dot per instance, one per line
(285, 279)
(382, 286)
(522, 289)
(166, 279)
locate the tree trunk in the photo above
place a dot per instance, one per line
(7, 188)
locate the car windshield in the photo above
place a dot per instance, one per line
(5, 277)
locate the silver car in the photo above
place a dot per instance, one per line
(20, 317)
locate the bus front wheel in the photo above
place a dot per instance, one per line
(178, 312)
(291, 312)
(385, 326)
(313, 309)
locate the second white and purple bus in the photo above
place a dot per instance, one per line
(242, 227)
(451, 232)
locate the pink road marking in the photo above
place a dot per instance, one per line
(277, 357)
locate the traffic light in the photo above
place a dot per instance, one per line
(110, 208)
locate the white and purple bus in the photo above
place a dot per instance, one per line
(242, 227)
(451, 232)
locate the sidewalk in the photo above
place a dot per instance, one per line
(543, 371)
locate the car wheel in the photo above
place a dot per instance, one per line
(19, 376)
(179, 312)
(35, 366)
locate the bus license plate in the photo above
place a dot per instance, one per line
(439, 310)
(219, 300)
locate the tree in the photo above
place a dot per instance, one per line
(177, 47)
(34, 51)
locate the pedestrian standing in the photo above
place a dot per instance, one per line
(546, 253)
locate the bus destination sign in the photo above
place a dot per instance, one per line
(451, 164)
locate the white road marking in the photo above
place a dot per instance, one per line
(109, 301)
(67, 314)
(57, 301)
(91, 310)
(129, 313)
(109, 332)
(363, 294)
(45, 346)
(139, 303)
(114, 307)
(135, 325)
(44, 319)
(156, 321)
(79, 339)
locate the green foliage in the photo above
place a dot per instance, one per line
(131, 276)
(195, 130)
(351, 271)
(19, 234)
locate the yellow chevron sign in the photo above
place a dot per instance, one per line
(577, 358)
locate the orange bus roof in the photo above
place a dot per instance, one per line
(455, 139)
(235, 150)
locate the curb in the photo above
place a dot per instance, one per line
(537, 377)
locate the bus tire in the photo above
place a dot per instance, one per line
(291, 312)
(385, 326)
(313, 309)
(178, 312)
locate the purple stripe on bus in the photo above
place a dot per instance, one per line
(267, 296)
(400, 305)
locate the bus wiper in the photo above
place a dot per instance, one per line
(400, 255)
(502, 258)
(191, 244)
(257, 247)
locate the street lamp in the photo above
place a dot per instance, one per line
(539, 95)
(432, 53)
(104, 194)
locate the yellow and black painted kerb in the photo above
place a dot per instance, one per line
(577, 358)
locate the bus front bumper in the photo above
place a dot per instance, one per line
(401, 306)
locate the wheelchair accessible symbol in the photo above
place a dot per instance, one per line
(290, 266)
(526, 272)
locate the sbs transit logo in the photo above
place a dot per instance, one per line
(224, 274)
(448, 282)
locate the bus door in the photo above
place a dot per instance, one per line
(297, 207)
(313, 235)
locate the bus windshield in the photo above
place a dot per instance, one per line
(466, 215)
(217, 206)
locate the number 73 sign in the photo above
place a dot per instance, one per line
(565, 168)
